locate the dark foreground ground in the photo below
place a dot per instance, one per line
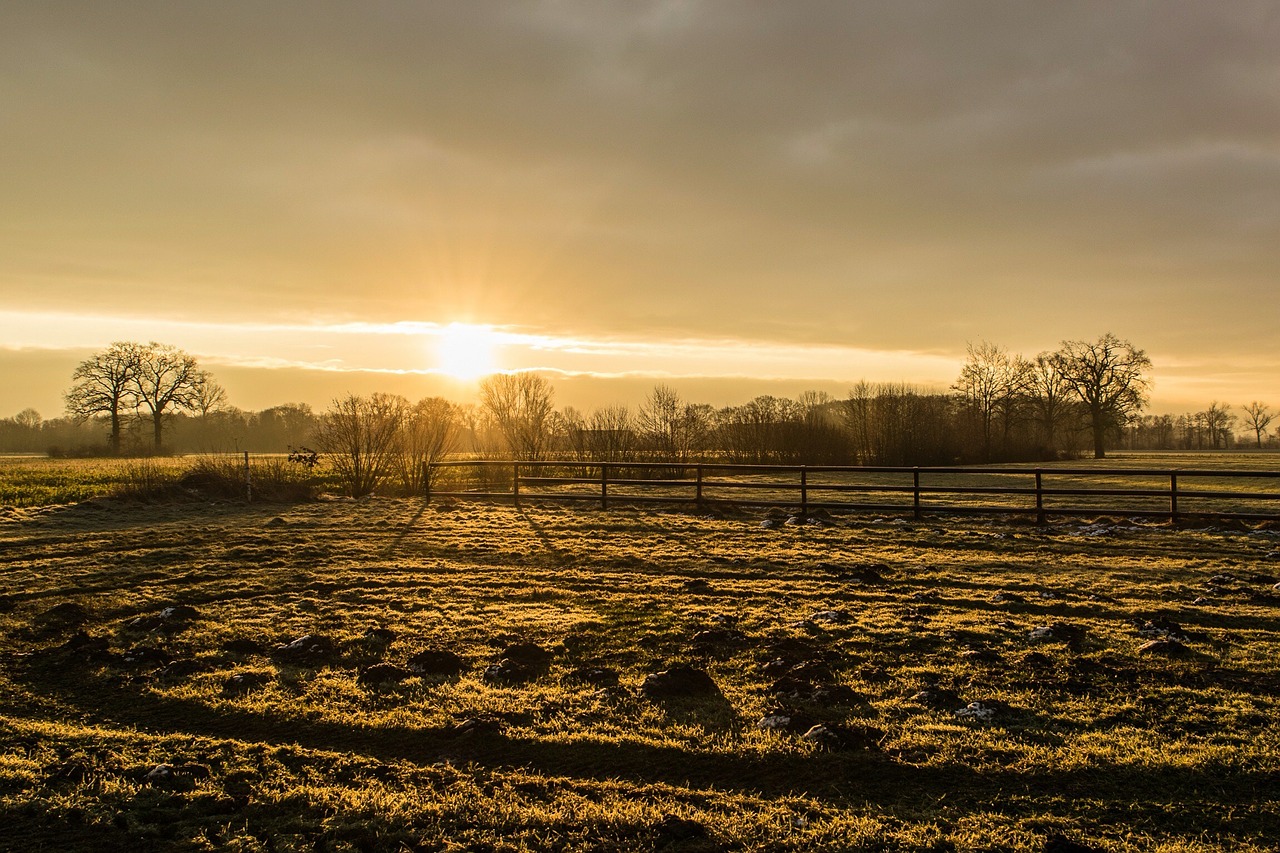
(385, 675)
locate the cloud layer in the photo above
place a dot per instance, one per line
(898, 175)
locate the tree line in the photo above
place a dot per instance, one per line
(1083, 397)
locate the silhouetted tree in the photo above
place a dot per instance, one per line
(670, 427)
(760, 430)
(209, 397)
(1218, 421)
(1257, 417)
(22, 431)
(361, 436)
(104, 384)
(282, 427)
(1110, 377)
(992, 387)
(429, 432)
(896, 424)
(520, 405)
(165, 379)
(607, 436)
(1051, 400)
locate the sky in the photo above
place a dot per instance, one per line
(730, 198)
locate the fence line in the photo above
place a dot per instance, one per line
(808, 488)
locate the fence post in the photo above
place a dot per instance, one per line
(515, 483)
(804, 492)
(426, 480)
(1039, 498)
(248, 481)
(1173, 497)
(604, 485)
(915, 493)
(698, 492)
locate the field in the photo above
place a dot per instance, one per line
(204, 675)
(1218, 485)
(27, 481)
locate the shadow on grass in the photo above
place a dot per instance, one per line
(841, 777)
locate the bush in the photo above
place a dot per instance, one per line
(271, 478)
(148, 480)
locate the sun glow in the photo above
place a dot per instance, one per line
(466, 352)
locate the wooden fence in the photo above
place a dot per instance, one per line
(1042, 492)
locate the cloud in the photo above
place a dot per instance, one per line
(890, 176)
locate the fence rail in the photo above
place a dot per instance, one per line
(1042, 492)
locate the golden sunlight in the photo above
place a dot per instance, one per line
(465, 351)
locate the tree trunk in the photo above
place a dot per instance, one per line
(156, 425)
(1099, 452)
(115, 432)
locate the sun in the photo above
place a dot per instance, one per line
(465, 351)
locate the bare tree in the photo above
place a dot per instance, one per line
(610, 435)
(857, 411)
(28, 419)
(166, 378)
(209, 396)
(757, 430)
(1257, 417)
(429, 433)
(1050, 399)
(820, 439)
(520, 405)
(1111, 379)
(1218, 421)
(993, 387)
(671, 427)
(361, 436)
(104, 384)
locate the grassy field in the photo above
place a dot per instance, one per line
(30, 481)
(891, 491)
(128, 725)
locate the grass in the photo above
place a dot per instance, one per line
(1091, 739)
(35, 481)
(892, 490)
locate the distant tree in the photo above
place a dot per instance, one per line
(1257, 417)
(166, 379)
(820, 439)
(105, 384)
(283, 427)
(1218, 421)
(608, 435)
(429, 432)
(22, 432)
(857, 412)
(670, 427)
(1111, 379)
(210, 397)
(520, 405)
(992, 387)
(1051, 399)
(896, 424)
(361, 436)
(1154, 432)
(762, 430)
(28, 419)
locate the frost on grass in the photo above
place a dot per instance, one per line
(383, 674)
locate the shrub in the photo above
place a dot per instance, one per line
(148, 480)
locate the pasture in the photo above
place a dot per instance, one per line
(386, 674)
